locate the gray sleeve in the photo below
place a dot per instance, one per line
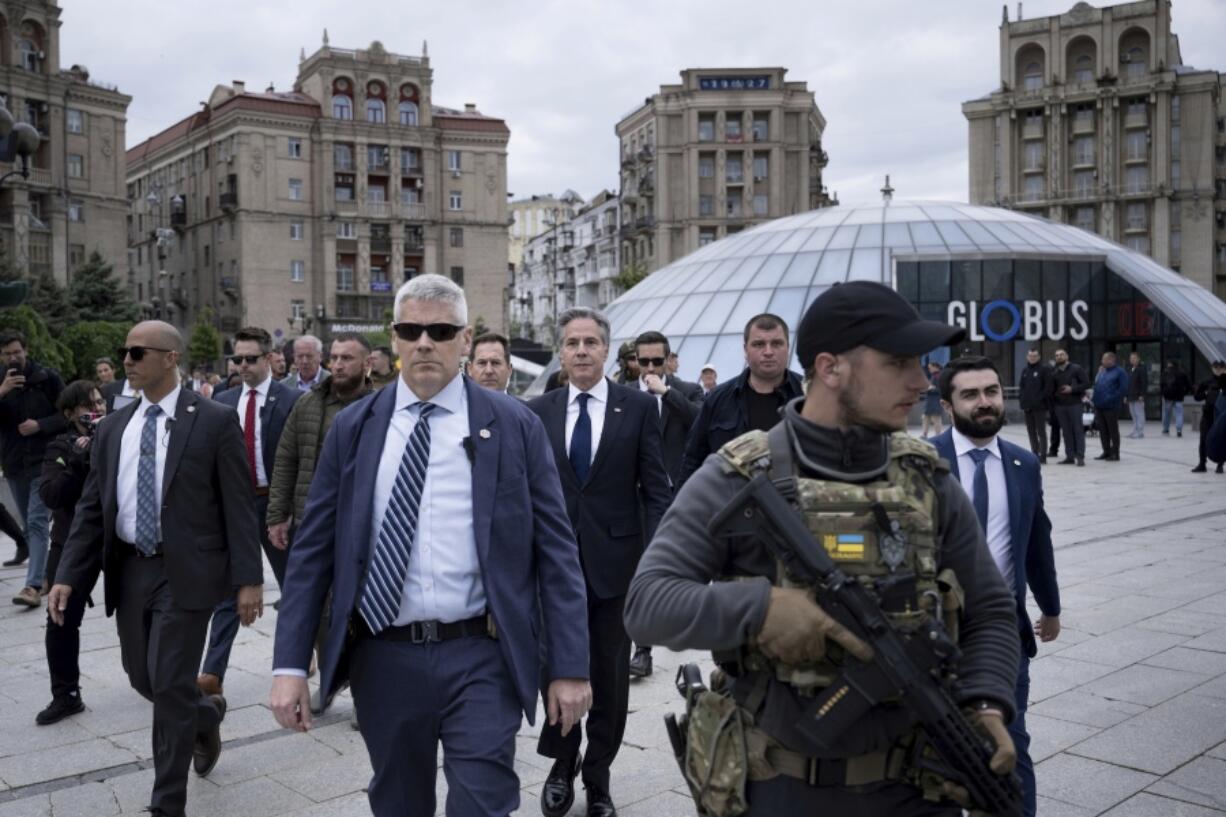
(989, 639)
(673, 599)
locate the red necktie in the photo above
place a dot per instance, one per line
(249, 435)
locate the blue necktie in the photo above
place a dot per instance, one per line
(146, 485)
(980, 486)
(581, 441)
(384, 589)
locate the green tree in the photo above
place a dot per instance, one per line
(204, 348)
(51, 302)
(41, 344)
(631, 274)
(90, 340)
(97, 296)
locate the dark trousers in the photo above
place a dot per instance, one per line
(1053, 427)
(1021, 738)
(63, 641)
(1036, 427)
(1074, 432)
(788, 795)
(1206, 423)
(610, 678)
(160, 643)
(414, 696)
(225, 617)
(1108, 422)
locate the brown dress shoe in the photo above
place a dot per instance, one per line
(209, 683)
(28, 597)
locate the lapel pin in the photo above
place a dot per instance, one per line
(1017, 462)
(484, 433)
(617, 410)
(190, 409)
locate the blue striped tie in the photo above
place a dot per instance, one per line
(146, 485)
(380, 603)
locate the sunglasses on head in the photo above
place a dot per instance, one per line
(438, 332)
(651, 361)
(137, 353)
(250, 360)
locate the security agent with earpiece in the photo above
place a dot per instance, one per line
(889, 515)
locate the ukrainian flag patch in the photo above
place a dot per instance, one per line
(844, 546)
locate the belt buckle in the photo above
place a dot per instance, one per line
(423, 632)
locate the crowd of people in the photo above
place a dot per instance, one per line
(427, 531)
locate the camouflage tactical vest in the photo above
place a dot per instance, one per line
(877, 532)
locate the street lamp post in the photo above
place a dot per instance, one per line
(20, 139)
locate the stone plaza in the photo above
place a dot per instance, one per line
(1127, 712)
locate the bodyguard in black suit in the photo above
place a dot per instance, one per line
(262, 406)
(606, 441)
(165, 510)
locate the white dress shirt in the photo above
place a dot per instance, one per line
(998, 534)
(659, 397)
(595, 411)
(129, 461)
(261, 397)
(443, 582)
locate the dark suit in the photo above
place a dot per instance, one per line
(209, 536)
(110, 391)
(272, 418)
(614, 515)
(1034, 566)
(529, 569)
(681, 405)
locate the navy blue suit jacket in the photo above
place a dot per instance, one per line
(529, 560)
(1034, 559)
(272, 417)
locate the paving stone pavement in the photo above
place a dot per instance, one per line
(1127, 714)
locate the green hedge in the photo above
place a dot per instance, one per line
(90, 340)
(41, 346)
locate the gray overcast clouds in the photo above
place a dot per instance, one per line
(889, 75)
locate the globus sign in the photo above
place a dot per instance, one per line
(1002, 320)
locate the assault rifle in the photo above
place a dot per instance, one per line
(905, 667)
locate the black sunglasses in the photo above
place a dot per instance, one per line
(651, 361)
(137, 353)
(251, 360)
(438, 332)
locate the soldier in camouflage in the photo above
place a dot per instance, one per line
(845, 442)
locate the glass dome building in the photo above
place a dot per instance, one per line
(1013, 280)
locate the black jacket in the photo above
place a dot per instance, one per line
(680, 407)
(725, 416)
(64, 471)
(1138, 381)
(1175, 384)
(1035, 386)
(1207, 392)
(1073, 376)
(22, 456)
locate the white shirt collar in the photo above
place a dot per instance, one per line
(262, 388)
(451, 397)
(598, 392)
(963, 444)
(168, 403)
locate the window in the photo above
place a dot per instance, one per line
(295, 231)
(761, 205)
(346, 229)
(294, 148)
(410, 160)
(1084, 218)
(376, 157)
(376, 193)
(761, 128)
(705, 237)
(1136, 216)
(76, 166)
(344, 192)
(455, 201)
(453, 160)
(1083, 116)
(1136, 147)
(1083, 183)
(408, 113)
(1138, 243)
(1083, 150)
(1033, 188)
(457, 275)
(732, 127)
(29, 55)
(376, 111)
(344, 277)
(76, 211)
(761, 168)
(1032, 77)
(456, 236)
(1083, 69)
(1136, 179)
(733, 171)
(734, 206)
(1135, 62)
(378, 279)
(410, 195)
(706, 205)
(233, 233)
(706, 128)
(297, 271)
(706, 167)
(1032, 157)
(76, 256)
(295, 189)
(342, 107)
(297, 309)
(342, 157)
(74, 121)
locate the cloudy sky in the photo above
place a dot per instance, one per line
(889, 75)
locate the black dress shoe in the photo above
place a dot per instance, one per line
(1081, 461)
(558, 793)
(60, 707)
(1218, 470)
(1066, 462)
(599, 803)
(1200, 469)
(22, 554)
(207, 750)
(640, 664)
(1103, 457)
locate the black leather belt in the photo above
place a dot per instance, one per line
(425, 632)
(129, 549)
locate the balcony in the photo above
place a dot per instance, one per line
(410, 171)
(344, 164)
(1136, 188)
(379, 209)
(413, 211)
(414, 246)
(381, 246)
(1029, 196)
(377, 166)
(227, 201)
(1136, 119)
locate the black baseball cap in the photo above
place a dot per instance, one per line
(864, 313)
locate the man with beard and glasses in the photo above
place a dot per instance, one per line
(844, 442)
(1006, 490)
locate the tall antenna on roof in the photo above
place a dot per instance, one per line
(887, 192)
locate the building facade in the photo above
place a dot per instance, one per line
(534, 215)
(574, 262)
(304, 210)
(1099, 124)
(73, 201)
(723, 150)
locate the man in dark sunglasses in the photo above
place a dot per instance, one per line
(166, 503)
(436, 518)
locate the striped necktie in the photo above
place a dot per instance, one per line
(384, 588)
(146, 485)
